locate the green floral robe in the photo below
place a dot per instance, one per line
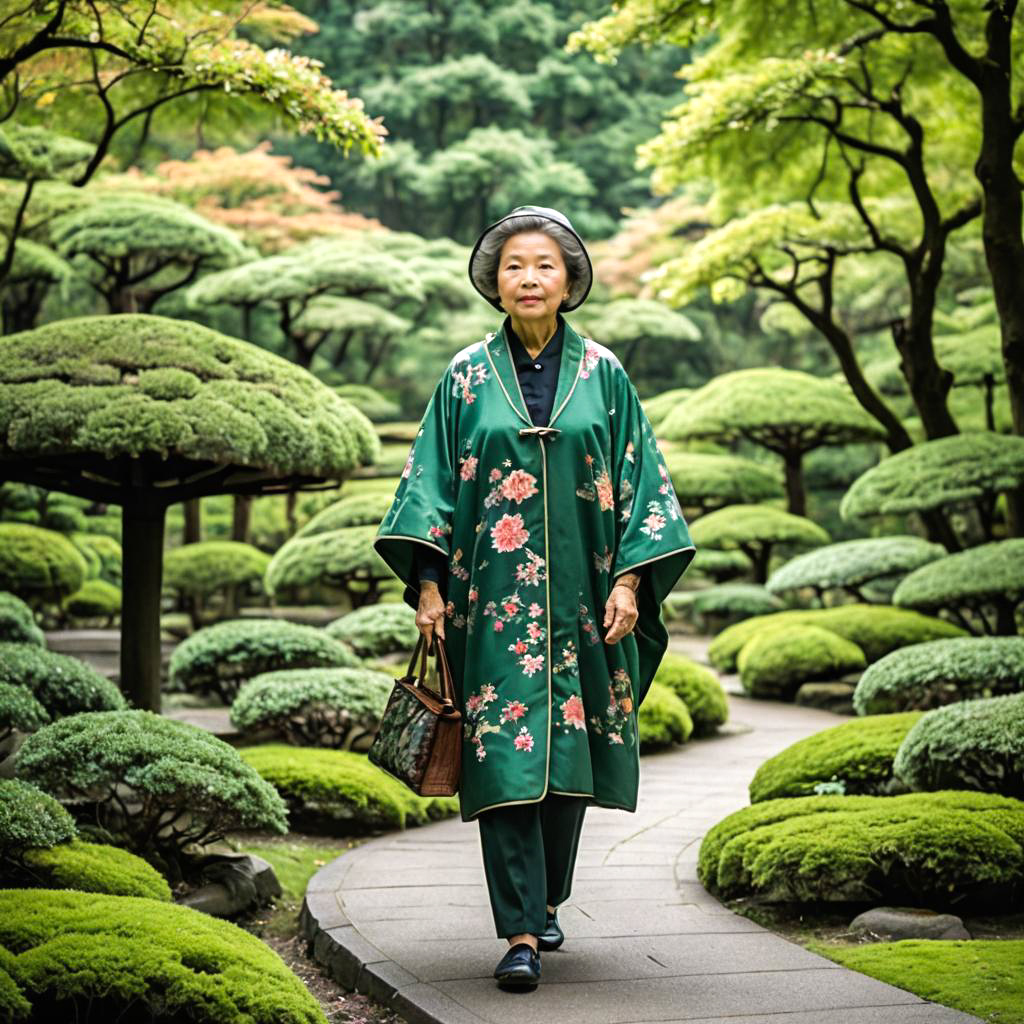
(536, 523)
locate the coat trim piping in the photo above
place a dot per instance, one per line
(504, 391)
(656, 558)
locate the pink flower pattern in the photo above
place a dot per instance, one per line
(508, 533)
(468, 470)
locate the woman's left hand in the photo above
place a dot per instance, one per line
(620, 612)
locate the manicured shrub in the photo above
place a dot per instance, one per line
(17, 623)
(341, 792)
(857, 754)
(212, 565)
(976, 744)
(938, 672)
(353, 510)
(219, 658)
(102, 553)
(155, 784)
(39, 565)
(62, 684)
(944, 849)
(125, 957)
(714, 608)
(698, 688)
(776, 660)
(94, 599)
(20, 711)
(663, 719)
(377, 629)
(89, 867)
(316, 707)
(30, 818)
(875, 629)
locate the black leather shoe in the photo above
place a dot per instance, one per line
(552, 936)
(519, 967)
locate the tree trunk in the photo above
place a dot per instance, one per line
(193, 532)
(796, 496)
(241, 520)
(142, 539)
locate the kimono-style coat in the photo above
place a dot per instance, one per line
(536, 522)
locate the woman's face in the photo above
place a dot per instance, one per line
(532, 276)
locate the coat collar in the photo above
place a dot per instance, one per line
(499, 355)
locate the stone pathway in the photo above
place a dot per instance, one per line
(406, 918)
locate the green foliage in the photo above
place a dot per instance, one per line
(355, 510)
(974, 744)
(17, 623)
(319, 707)
(663, 719)
(219, 658)
(73, 950)
(858, 754)
(90, 867)
(928, 675)
(709, 481)
(30, 818)
(377, 629)
(154, 783)
(731, 602)
(698, 688)
(62, 389)
(369, 400)
(851, 564)
(939, 849)
(37, 564)
(62, 684)
(102, 552)
(949, 471)
(341, 792)
(94, 599)
(19, 710)
(875, 630)
(210, 565)
(776, 660)
(748, 526)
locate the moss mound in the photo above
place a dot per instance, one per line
(377, 629)
(90, 867)
(698, 688)
(663, 719)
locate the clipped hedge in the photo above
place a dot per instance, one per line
(69, 953)
(377, 629)
(777, 660)
(943, 849)
(318, 707)
(89, 867)
(175, 783)
(698, 688)
(62, 684)
(858, 754)
(353, 510)
(94, 599)
(714, 608)
(663, 719)
(219, 658)
(938, 672)
(341, 792)
(39, 565)
(17, 623)
(20, 711)
(102, 553)
(210, 565)
(30, 818)
(976, 744)
(875, 629)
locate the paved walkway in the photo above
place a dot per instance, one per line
(406, 917)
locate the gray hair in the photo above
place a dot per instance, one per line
(485, 263)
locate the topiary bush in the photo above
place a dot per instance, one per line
(219, 658)
(20, 711)
(663, 719)
(30, 818)
(353, 510)
(938, 672)
(89, 867)
(857, 754)
(377, 629)
(976, 744)
(341, 792)
(62, 684)
(17, 623)
(154, 784)
(207, 567)
(698, 688)
(776, 661)
(947, 849)
(73, 954)
(102, 553)
(875, 629)
(339, 708)
(39, 565)
(94, 599)
(714, 608)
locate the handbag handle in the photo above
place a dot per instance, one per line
(444, 672)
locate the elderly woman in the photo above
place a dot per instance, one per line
(540, 554)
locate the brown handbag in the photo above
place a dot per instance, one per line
(419, 740)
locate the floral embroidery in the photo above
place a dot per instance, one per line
(508, 533)
(459, 571)
(524, 741)
(625, 499)
(408, 462)
(513, 709)
(476, 726)
(588, 625)
(518, 486)
(532, 570)
(439, 530)
(569, 660)
(463, 382)
(654, 522)
(468, 470)
(629, 451)
(591, 357)
(616, 716)
(531, 663)
(603, 563)
(457, 620)
(572, 713)
(598, 487)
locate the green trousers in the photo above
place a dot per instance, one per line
(529, 852)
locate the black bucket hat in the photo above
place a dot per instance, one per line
(579, 289)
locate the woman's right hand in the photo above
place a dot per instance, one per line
(430, 613)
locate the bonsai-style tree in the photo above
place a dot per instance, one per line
(946, 475)
(342, 321)
(708, 482)
(142, 411)
(658, 407)
(788, 412)
(756, 530)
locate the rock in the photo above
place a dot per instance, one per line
(890, 923)
(236, 882)
(834, 696)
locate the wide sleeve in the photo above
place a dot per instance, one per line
(652, 537)
(421, 516)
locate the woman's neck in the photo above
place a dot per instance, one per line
(534, 334)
